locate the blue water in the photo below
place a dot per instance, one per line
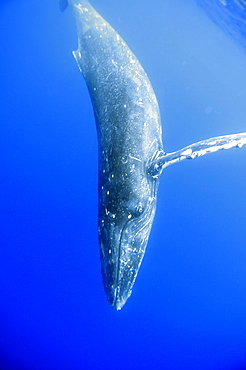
(188, 307)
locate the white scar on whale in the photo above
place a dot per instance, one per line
(131, 156)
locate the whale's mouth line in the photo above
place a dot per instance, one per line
(142, 223)
(118, 266)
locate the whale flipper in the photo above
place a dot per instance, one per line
(196, 150)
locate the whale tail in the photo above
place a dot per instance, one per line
(63, 5)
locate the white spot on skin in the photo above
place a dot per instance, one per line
(108, 75)
(129, 216)
(136, 159)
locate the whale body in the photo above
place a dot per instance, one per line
(129, 137)
(130, 150)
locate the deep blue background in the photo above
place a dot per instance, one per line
(188, 307)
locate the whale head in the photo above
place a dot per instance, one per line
(126, 213)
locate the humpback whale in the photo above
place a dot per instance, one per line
(131, 156)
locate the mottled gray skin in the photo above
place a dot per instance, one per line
(129, 138)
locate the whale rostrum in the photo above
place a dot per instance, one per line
(130, 150)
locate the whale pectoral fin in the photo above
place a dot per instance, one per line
(197, 150)
(63, 5)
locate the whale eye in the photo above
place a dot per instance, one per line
(135, 209)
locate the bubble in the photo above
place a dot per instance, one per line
(208, 110)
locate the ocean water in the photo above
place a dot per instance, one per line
(188, 306)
